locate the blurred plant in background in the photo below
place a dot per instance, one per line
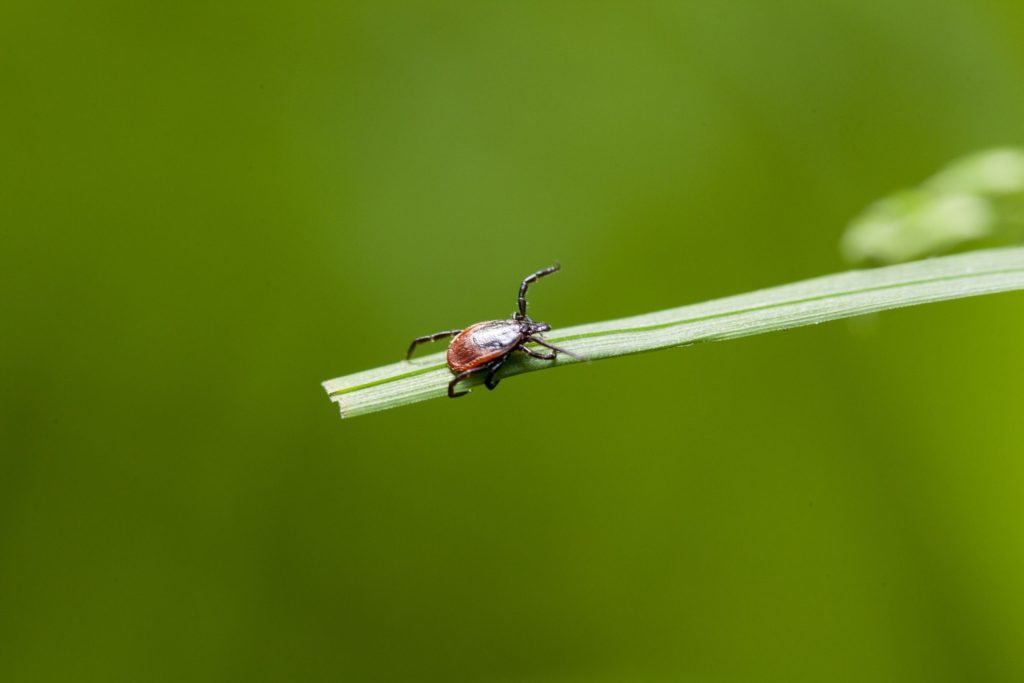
(974, 201)
(206, 208)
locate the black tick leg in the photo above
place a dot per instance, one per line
(494, 365)
(461, 376)
(530, 280)
(556, 349)
(537, 354)
(429, 338)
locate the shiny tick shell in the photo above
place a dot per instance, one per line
(483, 342)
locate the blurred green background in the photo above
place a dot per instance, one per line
(208, 208)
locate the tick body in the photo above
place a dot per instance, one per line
(484, 347)
(483, 342)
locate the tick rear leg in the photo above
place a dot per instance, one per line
(494, 365)
(429, 338)
(461, 376)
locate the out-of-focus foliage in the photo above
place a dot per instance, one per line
(971, 199)
(206, 208)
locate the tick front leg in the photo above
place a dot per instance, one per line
(530, 280)
(429, 338)
(461, 376)
(556, 349)
(537, 354)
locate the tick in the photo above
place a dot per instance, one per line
(484, 347)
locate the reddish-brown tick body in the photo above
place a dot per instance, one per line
(484, 347)
(483, 342)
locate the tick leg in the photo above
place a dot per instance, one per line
(495, 365)
(554, 348)
(530, 280)
(429, 338)
(461, 376)
(537, 354)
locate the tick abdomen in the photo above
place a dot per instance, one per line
(483, 342)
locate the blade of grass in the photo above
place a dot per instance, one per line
(809, 302)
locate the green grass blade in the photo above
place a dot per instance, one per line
(831, 297)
